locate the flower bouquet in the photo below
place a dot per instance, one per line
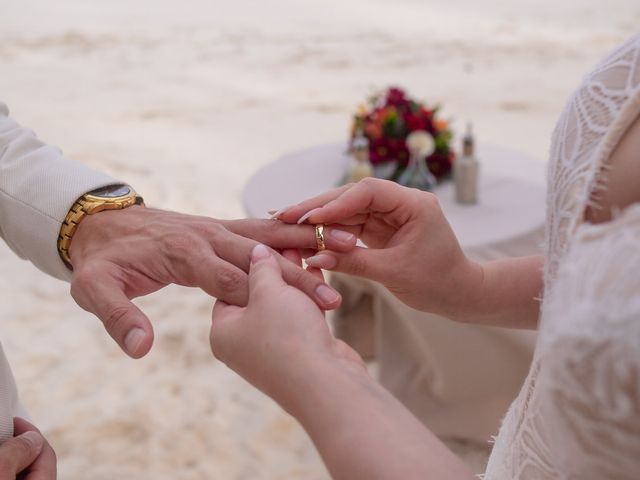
(386, 122)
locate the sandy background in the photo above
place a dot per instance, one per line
(184, 100)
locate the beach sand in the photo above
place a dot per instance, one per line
(184, 101)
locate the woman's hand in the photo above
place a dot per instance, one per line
(412, 250)
(27, 455)
(281, 344)
(279, 338)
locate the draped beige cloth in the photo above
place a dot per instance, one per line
(458, 379)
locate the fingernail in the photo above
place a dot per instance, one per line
(34, 438)
(342, 236)
(322, 261)
(327, 294)
(134, 339)
(304, 217)
(260, 252)
(276, 213)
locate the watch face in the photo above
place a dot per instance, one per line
(112, 191)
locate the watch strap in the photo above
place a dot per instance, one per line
(83, 207)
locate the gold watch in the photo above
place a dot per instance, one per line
(113, 197)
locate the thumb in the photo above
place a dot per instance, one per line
(222, 336)
(104, 297)
(265, 272)
(369, 263)
(17, 453)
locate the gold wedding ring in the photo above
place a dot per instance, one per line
(320, 237)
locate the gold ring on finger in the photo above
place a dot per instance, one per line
(320, 237)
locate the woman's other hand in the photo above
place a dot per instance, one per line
(279, 338)
(412, 249)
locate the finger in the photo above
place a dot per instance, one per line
(293, 213)
(373, 195)
(44, 466)
(223, 311)
(279, 235)
(17, 453)
(293, 255)
(265, 274)
(362, 262)
(104, 296)
(315, 288)
(221, 336)
(234, 251)
(317, 272)
(217, 275)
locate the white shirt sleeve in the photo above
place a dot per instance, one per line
(38, 186)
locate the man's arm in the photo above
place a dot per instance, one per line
(118, 255)
(38, 185)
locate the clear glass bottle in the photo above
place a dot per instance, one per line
(465, 171)
(417, 174)
(360, 166)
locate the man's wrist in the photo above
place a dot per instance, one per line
(113, 197)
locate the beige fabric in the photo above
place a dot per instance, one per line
(578, 414)
(38, 185)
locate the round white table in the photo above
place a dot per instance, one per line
(457, 378)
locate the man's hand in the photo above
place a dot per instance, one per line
(124, 254)
(27, 454)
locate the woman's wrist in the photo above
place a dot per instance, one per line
(464, 291)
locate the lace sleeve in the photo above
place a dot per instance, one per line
(590, 356)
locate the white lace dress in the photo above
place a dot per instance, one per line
(578, 413)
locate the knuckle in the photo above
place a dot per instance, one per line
(230, 280)
(214, 229)
(115, 318)
(357, 266)
(369, 182)
(298, 277)
(429, 198)
(178, 244)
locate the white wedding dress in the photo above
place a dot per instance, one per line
(578, 413)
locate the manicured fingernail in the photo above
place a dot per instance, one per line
(276, 213)
(34, 438)
(134, 339)
(304, 217)
(260, 252)
(342, 236)
(322, 261)
(327, 294)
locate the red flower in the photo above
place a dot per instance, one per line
(391, 118)
(396, 97)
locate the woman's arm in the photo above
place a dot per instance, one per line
(413, 251)
(508, 296)
(363, 432)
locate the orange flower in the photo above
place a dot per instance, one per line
(441, 125)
